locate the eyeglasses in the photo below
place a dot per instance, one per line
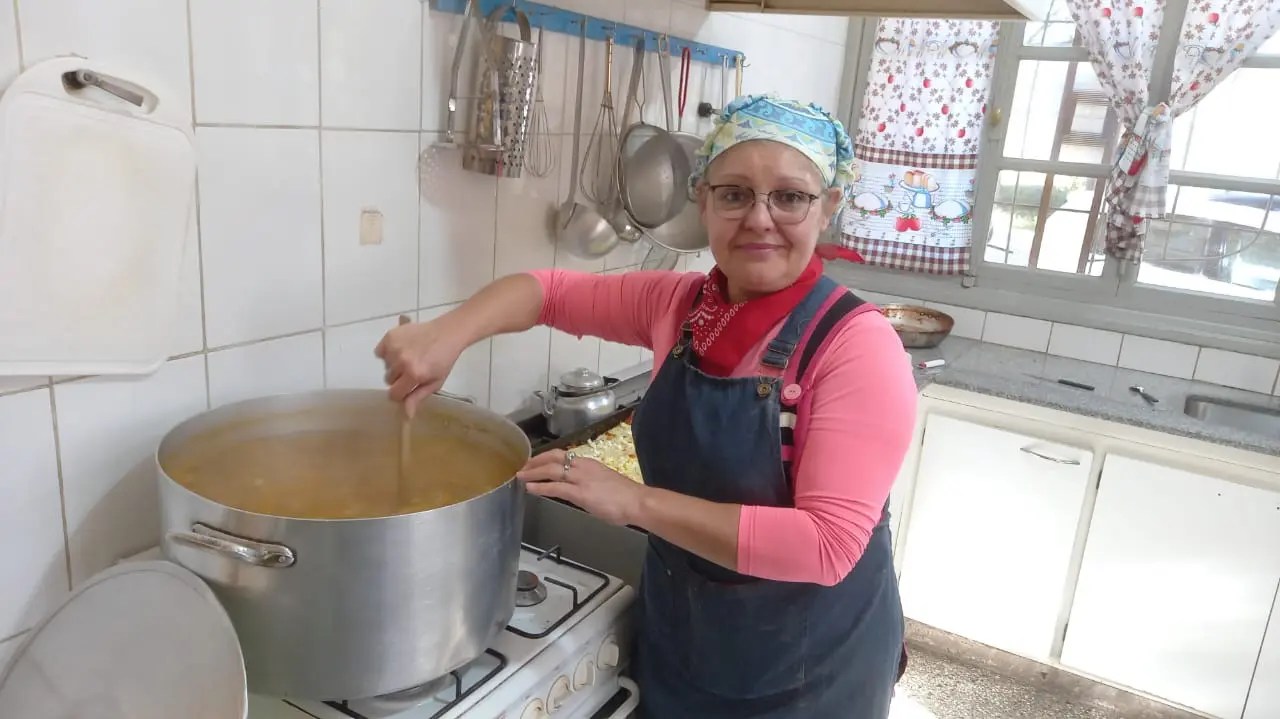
(786, 207)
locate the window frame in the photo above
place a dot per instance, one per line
(1114, 300)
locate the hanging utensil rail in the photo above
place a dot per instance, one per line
(570, 23)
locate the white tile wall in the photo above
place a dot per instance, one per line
(1085, 343)
(108, 429)
(1158, 356)
(255, 63)
(308, 112)
(34, 563)
(1013, 331)
(370, 63)
(1256, 374)
(969, 323)
(279, 366)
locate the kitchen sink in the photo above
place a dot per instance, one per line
(1230, 413)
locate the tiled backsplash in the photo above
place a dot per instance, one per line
(309, 112)
(1230, 369)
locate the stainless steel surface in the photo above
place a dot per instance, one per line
(142, 640)
(540, 159)
(1048, 457)
(583, 538)
(1230, 413)
(598, 176)
(500, 123)
(685, 232)
(579, 227)
(258, 554)
(371, 606)
(581, 379)
(918, 327)
(653, 170)
(1145, 395)
(576, 402)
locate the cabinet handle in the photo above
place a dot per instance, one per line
(1057, 460)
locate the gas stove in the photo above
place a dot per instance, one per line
(561, 654)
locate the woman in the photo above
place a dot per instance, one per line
(780, 410)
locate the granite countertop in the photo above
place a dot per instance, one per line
(1031, 377)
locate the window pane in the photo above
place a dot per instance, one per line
(1067, 209)
(1226, 132)
(1060, 112)
(1050, 34)
(1271, 46)
(1215, 241)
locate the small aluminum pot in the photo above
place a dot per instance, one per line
(351, 608)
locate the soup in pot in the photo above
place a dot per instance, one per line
(340, 473)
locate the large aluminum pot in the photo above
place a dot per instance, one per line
(352, 608)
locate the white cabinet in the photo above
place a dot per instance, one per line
(1177, 582)
(993, 520)
(1264, 695)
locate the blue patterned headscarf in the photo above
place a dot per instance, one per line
(807, 128)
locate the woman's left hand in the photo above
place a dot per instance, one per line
(583, 482)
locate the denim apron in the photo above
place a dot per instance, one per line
(713, 643)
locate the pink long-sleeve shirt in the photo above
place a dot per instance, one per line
(848, 452)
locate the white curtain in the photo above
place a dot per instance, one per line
(1121, 37)
(917, 144)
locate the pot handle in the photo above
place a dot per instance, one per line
(249, 551)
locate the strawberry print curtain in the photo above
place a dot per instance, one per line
(916, 145)
(1121, 36)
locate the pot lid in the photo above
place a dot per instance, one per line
(144, 640)
(581, 380)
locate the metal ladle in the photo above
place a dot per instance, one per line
(580, 228)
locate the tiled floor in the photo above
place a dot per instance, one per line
(936, 688)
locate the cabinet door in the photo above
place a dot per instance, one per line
(1264, 694)
(989, 540)
(1178, 579)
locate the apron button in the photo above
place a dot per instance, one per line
(763, 389)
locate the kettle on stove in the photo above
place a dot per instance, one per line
(581, 399)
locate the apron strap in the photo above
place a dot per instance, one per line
(846, 305)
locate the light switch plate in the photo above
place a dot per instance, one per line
(370, 226)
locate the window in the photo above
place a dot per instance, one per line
(1045, 169)
(1040, 212)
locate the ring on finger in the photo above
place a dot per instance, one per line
(569, 457)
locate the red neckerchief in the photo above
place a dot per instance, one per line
(723, 333)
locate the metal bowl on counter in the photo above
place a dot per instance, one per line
(918, 327)
(355, 554)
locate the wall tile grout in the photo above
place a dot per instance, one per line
(62, 491)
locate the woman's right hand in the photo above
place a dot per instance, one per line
(419, 357)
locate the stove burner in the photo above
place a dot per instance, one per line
(529, 589)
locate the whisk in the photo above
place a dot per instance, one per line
(598, 177)
(540, 156)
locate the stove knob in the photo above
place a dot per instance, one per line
(534, 710)
(610, 654)
(585, 675)
(559, 694)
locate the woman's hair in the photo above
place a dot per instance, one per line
(806, 128)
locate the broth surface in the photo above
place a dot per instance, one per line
(338, 474)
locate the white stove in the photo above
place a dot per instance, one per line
(560, 657)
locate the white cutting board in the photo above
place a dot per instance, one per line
(95, 197)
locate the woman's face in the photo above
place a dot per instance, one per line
(762, 249)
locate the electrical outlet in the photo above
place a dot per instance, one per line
(370, 226)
